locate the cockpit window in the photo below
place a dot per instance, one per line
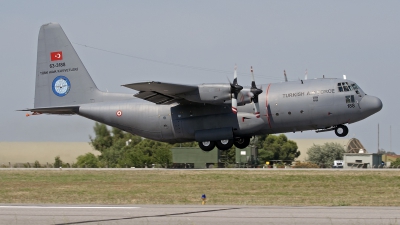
(340, 87)
(344, 86)
(355, 86)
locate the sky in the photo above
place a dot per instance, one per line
(195, 42)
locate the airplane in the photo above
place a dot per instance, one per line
(213, 114)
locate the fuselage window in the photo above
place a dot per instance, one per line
(350, 99)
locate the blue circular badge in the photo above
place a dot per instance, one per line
(61, 86)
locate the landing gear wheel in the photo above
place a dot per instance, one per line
(341, 130)
(242, 142)
(206, 145)
(224, 144)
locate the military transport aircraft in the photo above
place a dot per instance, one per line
(220, 115)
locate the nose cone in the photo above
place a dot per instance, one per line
(370, 104)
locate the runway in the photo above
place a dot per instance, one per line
(195, 214)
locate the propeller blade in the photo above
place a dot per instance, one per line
(255, 92)
(235, 89)
(229, 81)
(235, 76)
(256, 107)
(234, 105)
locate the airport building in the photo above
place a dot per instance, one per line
(362, 160)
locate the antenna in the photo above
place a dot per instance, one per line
(284, 74)
(390, 137)
(305, 77)
(378, 138)
(344, 76)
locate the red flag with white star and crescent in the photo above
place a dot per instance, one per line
(54, 56)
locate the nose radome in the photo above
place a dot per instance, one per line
(370, 104)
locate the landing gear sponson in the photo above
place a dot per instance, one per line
(224, 144)
(340, 130)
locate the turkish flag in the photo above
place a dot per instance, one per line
(54, 56)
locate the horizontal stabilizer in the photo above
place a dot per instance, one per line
(54, 110)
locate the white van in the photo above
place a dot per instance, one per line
(338, 164)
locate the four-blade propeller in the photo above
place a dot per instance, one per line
(254, 92)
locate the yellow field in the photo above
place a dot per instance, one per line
(237, 187)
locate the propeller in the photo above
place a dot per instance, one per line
(235, 89)
(255, 92)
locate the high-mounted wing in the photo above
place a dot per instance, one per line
(161, 93)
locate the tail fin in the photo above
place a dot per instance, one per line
(61, 77)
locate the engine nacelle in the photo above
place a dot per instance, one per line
(244, 97)
(218, 94)
(211, 93)
(249, 124)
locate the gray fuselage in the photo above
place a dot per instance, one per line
(284, 107)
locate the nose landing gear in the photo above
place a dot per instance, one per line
(341, 130)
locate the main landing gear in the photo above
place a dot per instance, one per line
(224, 144)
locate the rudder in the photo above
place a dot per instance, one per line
(61, 77)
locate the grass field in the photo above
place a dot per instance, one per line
(237, 187)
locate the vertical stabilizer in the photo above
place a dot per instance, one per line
(61, 77)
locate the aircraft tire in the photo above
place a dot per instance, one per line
(206, 145)
(224, 144)
(241, 142)
(341, 130)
